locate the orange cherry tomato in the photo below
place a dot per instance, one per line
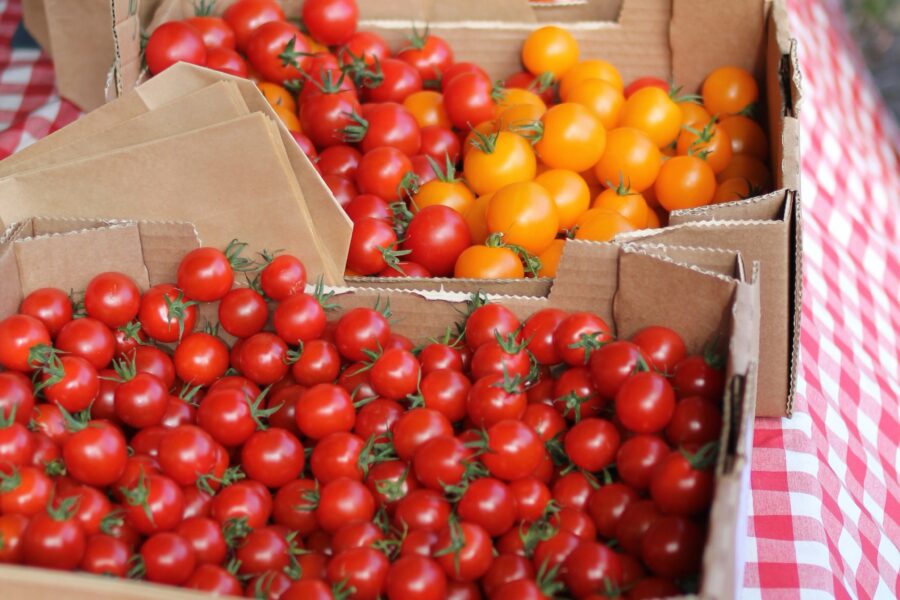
(277, 96)
(693, 114)
(485, 262)
(476, 218)
(729, 91)
(651, 110)
(630, 205)
(736, 188)
(750, 168)
(515, 96)
(653, 220)
(601, 98)
(573, 138)
(550, 258)
(570, 194)
(290, 119)
(589, 69)
(747, 137)
(521, 117)
(650, 197)
(601, 225)
(454, 194)
(427, 107)
(549, 49)
(486, 128)
(685, 182)
(525, 214)
(706, 141)
(631, 157)
(500, 159)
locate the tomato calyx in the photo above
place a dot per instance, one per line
(485, 142)
(448, 173)
(64, 510)
(77, 300)
(472, 470)
(589, 342)
(541, 529)
(235, 531)
(531, 262)
(132, 331)
(188, 393)
(510, 385)
(622, 188)
(289, 55)
(204, 8)
(356, 132)
(363, 74)
(498, 92)
(177, 309)
(139, 495)
(704, 458)
(11, 481)
(375, 452)
(257, 413)
(55, 467)
(125, 369)
(392, 255)
(230, 476)
(533, 131)
(677, 97)
(76, 422)
(572, 404)
(457, 542)
(312, 500)
(342, 590)
(391, 489)
(546, 579)
(542, 83)
(712, 357)
(112, 521)
(138, 568)
(409, 186)
(416, 40)
(401, 217)
(45, 360)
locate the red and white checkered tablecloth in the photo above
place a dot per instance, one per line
(825, 509)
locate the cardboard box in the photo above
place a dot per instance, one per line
(631, 286)
(680, 39)
(67, 253)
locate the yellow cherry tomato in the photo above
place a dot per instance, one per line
(570, 194)
(550, 258)
(750, 168)
(277, 96)
(484, 262)
(693, 114)
(549, 49)
(427, 107)
(476, 219)
(630, 158)
(747, 137)
(601, 98)
(589, 69)
(525, 214)
(573, 138)
(630, 205)
(651, 110)
(290, 119)
(706, 141)
(521, 118)
(454, 194)
(601, 225)
(685, 182)
(515, 96)
(729, 91)
(500, 159)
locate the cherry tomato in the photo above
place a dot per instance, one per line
(342, 501)
(590, 567)
(246, 16)
(360, 330)
(243, 312)
(324, 409)
(652, 111)
(514, 450)
(638, 457)
(673, 547)
(51, 306)
(18, 335)
(497, 160)
(54, 539)
(463, 550)
(634, 523)
(429, 54)
(682, 484)
(215, 580)
(487, 322)
(468, 99)
(612, 364)
(398, 80)
(417, 426)
(105, 555)
(607, 504)
(436, 236)
(363, 569)
(525, 214)
(324, 116)
(695, 421)
(284, 276)
(173, 42)
(244, 499)
(698, 376)
(386, 124)
(729, 91)
(366, 46)
(373, 245)
(592, 444)
(331, 22)
(205, 538)
(168, 558)
(685, 182)
(642, 82)
(381, 172)
(494, 398)
(550, 49)
(264, 358)
(489, 503)
(630, 157)
(216, 33)
(645, 402)
(96, 455)
(579, 335)
(165, 314)
(416, 578)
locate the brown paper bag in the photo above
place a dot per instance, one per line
(232, 180)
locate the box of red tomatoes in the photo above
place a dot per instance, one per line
(591, 442)
(670, 121)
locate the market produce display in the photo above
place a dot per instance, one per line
(446, 172)
(327, 457)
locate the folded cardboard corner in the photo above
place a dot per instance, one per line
(66, 253)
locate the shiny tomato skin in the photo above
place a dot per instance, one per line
(607, 504)
(515, 450)
(489, 503)
(174, 42)
(416, 427)
(243, 312)
(162, 506)
(319, 362)
(638, 457)
(341, 501)
(678, 488)
(105, 555)
(283, 277)
(578, 335)
(361, 329)
(214, 579)
(205, 537)
(246, 16)
(200, 359)
(662, 346)
(158, 321)
(416, 578)
(51, 306)
(487, 322)
(694, 376)
(96, 455)
(324, 409)
(18, 335)
(142, 401)
(590, 567)
(399, 81)
(591, 444)
(205, 274)
(331, 22)
(645, 403)
(168, 558)
(56, 543)
(289, 506)
(474, 558)
(264, 358)
(612, 364)
(696, 421)
(436, 236)
(365, 569)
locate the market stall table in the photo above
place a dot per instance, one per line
(825, 510)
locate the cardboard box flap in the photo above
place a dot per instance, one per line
(696, 303)
(774, 206)
(506, 287)
(714, 260)
(34, 17)
(163, 245)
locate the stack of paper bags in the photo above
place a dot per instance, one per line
(190, 145)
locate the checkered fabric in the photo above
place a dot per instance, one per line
(825, 510)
